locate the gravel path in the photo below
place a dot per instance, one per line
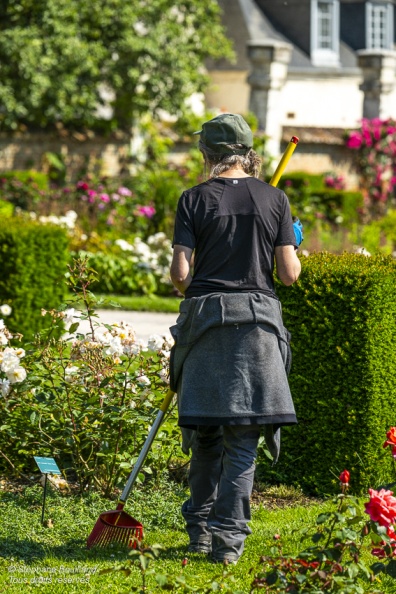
(143, 323)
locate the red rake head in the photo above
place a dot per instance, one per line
(115, 526)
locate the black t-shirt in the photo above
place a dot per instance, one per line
(233, 224)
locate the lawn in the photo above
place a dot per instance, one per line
(54, 558)
(154, 303)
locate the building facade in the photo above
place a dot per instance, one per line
(312, 68)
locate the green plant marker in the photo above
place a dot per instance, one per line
(46, 465)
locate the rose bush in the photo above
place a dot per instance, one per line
(87, 399)
(11, 369)
(374, 146)
(134, 266)
(91, 205)
(341, 540)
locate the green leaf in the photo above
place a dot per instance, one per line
(272, 578)
(377, 567)
(390, 569)
(144, 561)
(73, 327)
(322, 518)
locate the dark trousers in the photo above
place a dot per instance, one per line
(221, 482)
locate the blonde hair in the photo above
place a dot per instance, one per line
(218, 163)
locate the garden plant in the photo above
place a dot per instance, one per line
(87, 399)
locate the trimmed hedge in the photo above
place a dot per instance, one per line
(33, 264)
(27, 177)
(342, 317)
(302, 179)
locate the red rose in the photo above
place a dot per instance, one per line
(391, 533)
(382, 507)
(344, 477)
(391, 437)
(380, 553)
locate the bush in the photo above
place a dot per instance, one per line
(137, 267)
(380, 235)
(88, 399)
(23, 189)
(341, 315)
(33, 263)
(26, 176)
(300, 180)
(321, 197)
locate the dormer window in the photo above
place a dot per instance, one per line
(379, 25)
(325, 22)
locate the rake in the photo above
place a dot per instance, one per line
(116, 526)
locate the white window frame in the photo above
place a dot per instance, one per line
(325, 56)
(372, 9)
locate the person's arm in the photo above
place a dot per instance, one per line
(180, 268)
(288, 265)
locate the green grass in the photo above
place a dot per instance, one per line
(57, 558)
(140, 303)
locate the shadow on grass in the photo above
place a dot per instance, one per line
(29, 551)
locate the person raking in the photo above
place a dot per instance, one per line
(231, 357)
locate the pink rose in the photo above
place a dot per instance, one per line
(354, 140)
(122, 191)
(382, 507)
(82, 185)
(146, 211)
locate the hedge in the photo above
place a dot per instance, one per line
(342, 317)
(33, 264)
(27, 177)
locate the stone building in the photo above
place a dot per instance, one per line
(310, 68)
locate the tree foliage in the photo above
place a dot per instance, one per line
(62, 59)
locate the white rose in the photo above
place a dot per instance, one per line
(18, 374)
(69, 315)
(5, 309)
(143, 380)
(5, 387)
(10, 362)
(115, 346)
(164, 375)
(155, 342)
(70, 372)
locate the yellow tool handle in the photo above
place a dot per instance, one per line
(167, 400)
(284, 161)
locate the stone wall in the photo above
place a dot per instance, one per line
(80, 153)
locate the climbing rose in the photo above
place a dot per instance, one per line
(382, 507)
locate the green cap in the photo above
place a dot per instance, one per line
(226, 129)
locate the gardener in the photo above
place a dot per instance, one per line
(231, 356)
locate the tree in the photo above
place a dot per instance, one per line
(62, 59)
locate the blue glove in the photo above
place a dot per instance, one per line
(298, 230)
